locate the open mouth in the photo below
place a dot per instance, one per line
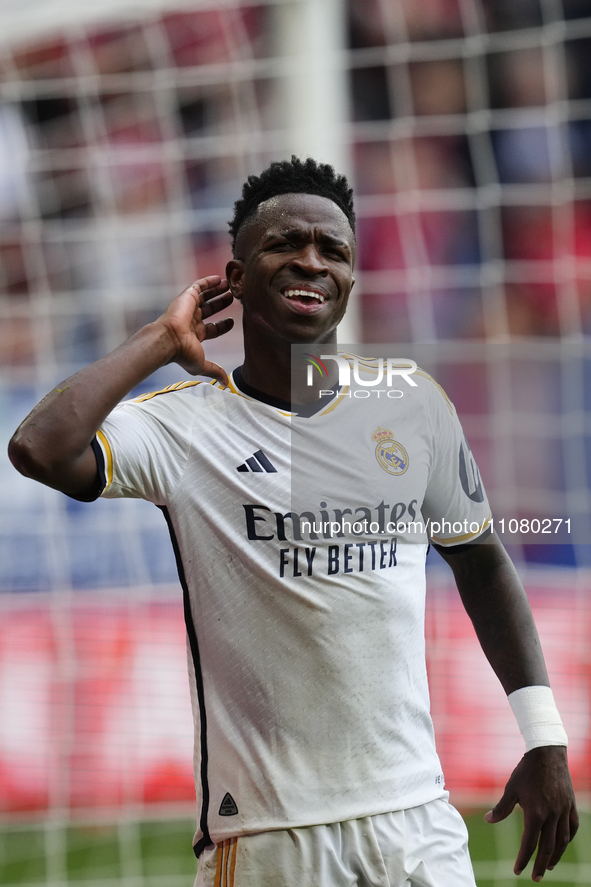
(304, 295)
(304, 300)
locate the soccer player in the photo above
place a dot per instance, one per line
(315, 761)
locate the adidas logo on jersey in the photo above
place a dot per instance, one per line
(228, 806)
(257, 462)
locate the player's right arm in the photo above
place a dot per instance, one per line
(53, 444)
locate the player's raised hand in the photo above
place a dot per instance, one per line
(53, 444)
(542, 786)
(187, 325)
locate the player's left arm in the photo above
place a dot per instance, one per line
(497, 604)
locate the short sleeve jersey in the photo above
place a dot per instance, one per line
(301, 544)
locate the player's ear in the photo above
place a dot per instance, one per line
(235, 277)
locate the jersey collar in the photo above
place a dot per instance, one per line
(285, 406)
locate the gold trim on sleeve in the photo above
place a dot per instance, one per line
(177, 386)
(108, 456)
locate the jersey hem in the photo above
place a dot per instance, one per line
(407, 803)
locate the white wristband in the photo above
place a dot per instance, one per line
(537, 716)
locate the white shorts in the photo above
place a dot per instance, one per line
(424, 846)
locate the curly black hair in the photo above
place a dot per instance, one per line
(293, 176)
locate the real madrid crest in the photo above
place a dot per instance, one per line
(391, 455)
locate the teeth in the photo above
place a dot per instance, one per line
(292, 294)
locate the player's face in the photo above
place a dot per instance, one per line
(295, 268)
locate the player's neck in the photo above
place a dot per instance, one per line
(269, 374)
(268, 368)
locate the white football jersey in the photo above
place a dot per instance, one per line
(301, 544)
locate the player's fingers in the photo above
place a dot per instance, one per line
(203, 284)
(198, 288)
(502, 810)
(529, 841)
(216, 287)
(218, 328)
(216, 303)
(561, 840)
(573, 821)
(204, 289)
(546, 846)
(215, 371)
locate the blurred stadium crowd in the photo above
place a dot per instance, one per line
(122, 149)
